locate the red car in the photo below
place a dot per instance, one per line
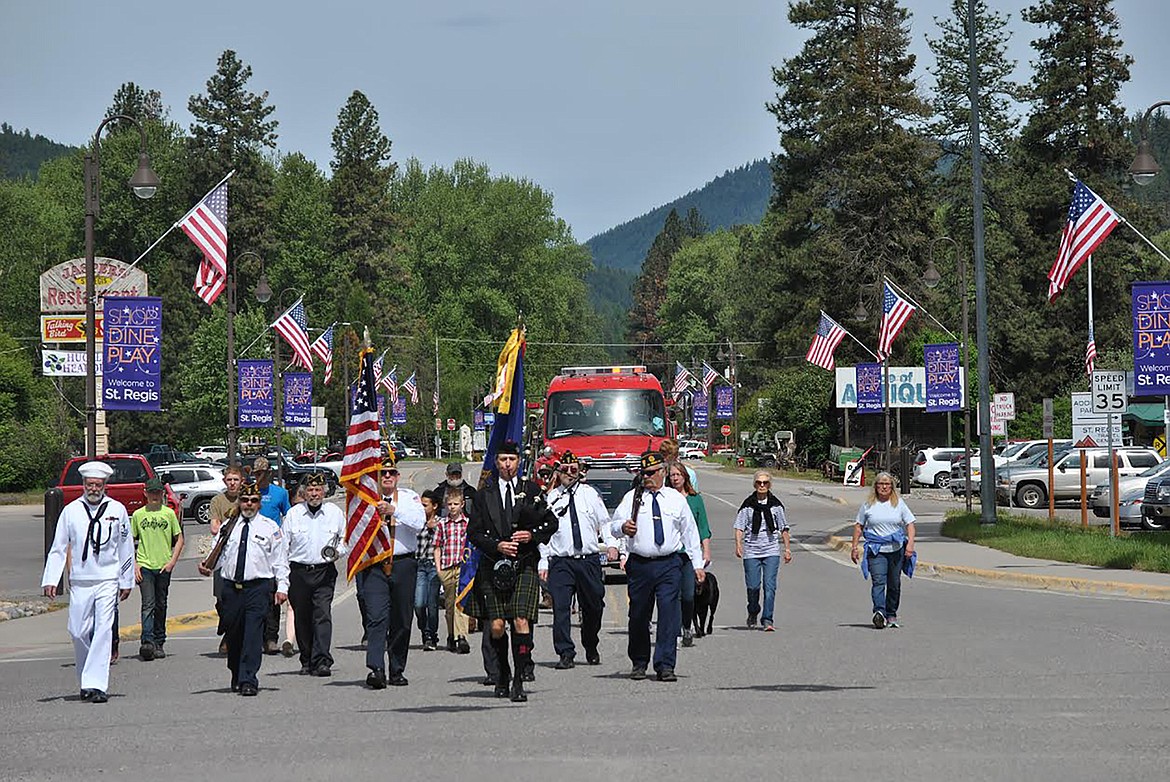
(127, 485)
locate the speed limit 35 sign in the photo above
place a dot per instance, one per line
(1108, 387)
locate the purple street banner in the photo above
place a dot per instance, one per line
(478, 419)
(869, 388)
(256, 404)
(723, 402)
(1151, 338)
(944, 385)
(699, 410)
(132, 353)
(298, 399)
(398, 411)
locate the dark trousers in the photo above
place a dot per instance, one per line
(581, 577)
(154, 588)
(688, 592)
(244, 611)
(272, 624)
(310, 591)
(389, 614)
(653, 581)
(359, 580)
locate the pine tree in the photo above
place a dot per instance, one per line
(360, 188)
(650, 289)
(132, 100)
(850, 200)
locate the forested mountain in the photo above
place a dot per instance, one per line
(736, 197)
(22, 153)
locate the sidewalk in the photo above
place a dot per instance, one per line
(942, 557)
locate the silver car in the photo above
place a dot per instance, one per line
(1028, 487)
(1101, 498)
(194, 485)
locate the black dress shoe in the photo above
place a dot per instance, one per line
(462, 647)
(518, 695)
(398, 680)
(502, 691)
(593, 658)
(667, 675)
(322, 670)
(529, 675)
(565, 663)
(306, 669)
(376, 680)
(638, 673)
(450, 644)
(86, 694)
(488, 681)
(248, 689)
(98, 696)
(235, 686)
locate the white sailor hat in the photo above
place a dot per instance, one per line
(96, 470)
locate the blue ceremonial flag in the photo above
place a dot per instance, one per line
(508, 398)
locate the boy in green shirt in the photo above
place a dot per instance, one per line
(158, 538)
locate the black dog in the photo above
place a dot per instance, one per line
(706, 599)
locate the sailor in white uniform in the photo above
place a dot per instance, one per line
(94, 532)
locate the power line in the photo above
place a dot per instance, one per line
(603, 344)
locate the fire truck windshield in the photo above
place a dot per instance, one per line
(601, 412)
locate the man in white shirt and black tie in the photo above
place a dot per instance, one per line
(314, 528)
(254, 567)
(389, 597)
(662, 526)
(570, 562)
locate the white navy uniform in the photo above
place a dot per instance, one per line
(313, 579)
(680, 531)
(101, 557)
(593, 521)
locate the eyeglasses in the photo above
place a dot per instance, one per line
(250, 499)
(763, 483)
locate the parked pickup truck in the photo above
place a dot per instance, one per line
(127, 485)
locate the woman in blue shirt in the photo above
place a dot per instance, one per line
(888, 528)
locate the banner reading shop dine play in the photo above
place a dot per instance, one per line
(131, 353)
(298, 399)
(255, 380)
(869, 388)
(1151, 338)
(944, 389)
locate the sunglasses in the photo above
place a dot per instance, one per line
(652, 472)
(250, 499)
(763, 483)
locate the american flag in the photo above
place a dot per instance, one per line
(390, 383)
(895, 312)
(1090, 353)
(435, 401)
(681, 376)
(206, 225)
(292, 326)
(323, 347)
(378, 368)
(709, 377)
(411, 386)
(365, 534)
(1090, 221)
(828, 337)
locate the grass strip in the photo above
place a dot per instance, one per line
(1062, 541)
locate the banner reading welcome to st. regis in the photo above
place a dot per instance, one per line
(131, 353)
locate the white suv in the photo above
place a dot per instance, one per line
(932, 466)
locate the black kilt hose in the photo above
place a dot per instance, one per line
(487, 527)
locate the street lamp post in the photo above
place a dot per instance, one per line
(144, 183)
(734, 378)
(263, 294)
(1143, 170)
(931, 278)
(277, 391)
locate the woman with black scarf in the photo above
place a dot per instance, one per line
(760, 528)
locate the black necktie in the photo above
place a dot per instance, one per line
(508, 504)
(659, 532)
(242, 555)
(578, 545)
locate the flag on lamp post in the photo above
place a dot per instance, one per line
(896, 310)
(292, 325)
(323, 348)
(206, 226)
(411, 387)
(828, 337)
(1090, 221)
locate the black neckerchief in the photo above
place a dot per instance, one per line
(93, 536)
(762, 512)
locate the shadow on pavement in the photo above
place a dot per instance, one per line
(795, 688)
(426, 710)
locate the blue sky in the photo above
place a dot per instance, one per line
(615, 106)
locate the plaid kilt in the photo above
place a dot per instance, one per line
(523, 602)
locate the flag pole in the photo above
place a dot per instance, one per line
(859, 342)
(1090, 287)
(1074, 178)
(167, 233)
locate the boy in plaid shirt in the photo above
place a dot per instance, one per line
(449, 543)
(426, 584)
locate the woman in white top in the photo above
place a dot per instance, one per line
(887, 526)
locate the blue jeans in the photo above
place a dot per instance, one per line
(755, 571)
(154, 588)
(426, 599)
(885, 576)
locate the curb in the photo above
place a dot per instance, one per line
(826, 496)
(1085, 586)
(175, 624)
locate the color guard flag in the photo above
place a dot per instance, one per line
(206, 226)
(323, 348)
(366, 535)
(895, 312)
(1090, 221)
(828, 337)
(292, 326)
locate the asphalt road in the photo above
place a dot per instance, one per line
(980, 683)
